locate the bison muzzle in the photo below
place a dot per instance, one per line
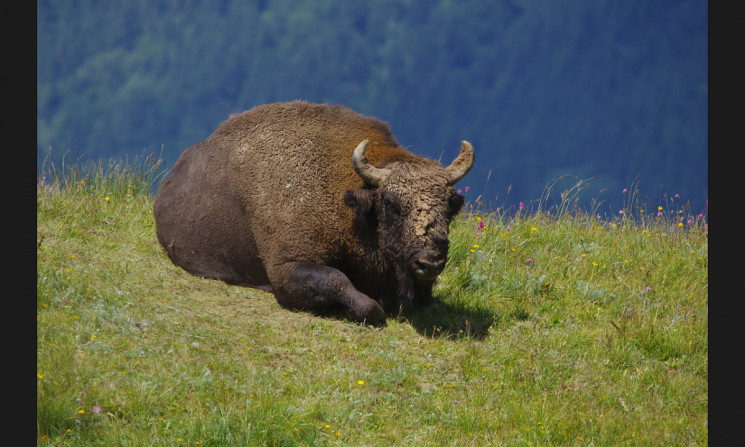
(315, 203)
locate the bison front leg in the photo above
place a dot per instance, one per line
(308, 286)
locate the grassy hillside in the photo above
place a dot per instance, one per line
(551, 328)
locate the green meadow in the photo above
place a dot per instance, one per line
(552, 326)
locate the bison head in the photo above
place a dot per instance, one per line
(408, 205)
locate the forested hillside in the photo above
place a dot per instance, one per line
(612, 91)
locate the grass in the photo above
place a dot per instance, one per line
(552, 327)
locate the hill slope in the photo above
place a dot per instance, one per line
(551, 328)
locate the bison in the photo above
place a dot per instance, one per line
(314, 203)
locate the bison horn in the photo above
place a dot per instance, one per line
(462, 163)
(369, 173)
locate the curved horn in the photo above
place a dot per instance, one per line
(369, 173)
(462, 163)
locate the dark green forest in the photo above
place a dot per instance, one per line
(613, 92)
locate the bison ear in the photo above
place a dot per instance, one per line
(455, 204)
(362, 202)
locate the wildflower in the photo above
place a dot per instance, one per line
(647, 289)
(521, 205)
(528, 261)
(460, 191)
(620, 212)
(680, 224)
(481, 224)
(456, 401)
(360, 382)
(106, 198)
(677, 196)
(582, 255)
(40, 375)
(96, 409)
(81, 411)
(93, 336)
(467, 189)
(625, 190)
(659, 213)
(476, 246)
(532, 228)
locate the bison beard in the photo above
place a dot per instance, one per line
(416, 294)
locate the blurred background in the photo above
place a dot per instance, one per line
(611, 92)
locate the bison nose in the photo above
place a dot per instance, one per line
(426, 267)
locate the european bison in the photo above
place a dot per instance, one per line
(315, 203)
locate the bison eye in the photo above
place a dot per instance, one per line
(392, 206)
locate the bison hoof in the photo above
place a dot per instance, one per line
(369, 312)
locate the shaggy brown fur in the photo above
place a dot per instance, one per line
(272, 200)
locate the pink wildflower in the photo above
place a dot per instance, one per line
(521, 205)
(481, 224)
(467, 189)
(625, 190)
